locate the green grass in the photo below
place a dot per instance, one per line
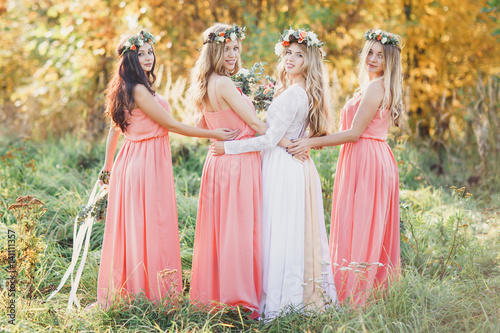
(450, 248)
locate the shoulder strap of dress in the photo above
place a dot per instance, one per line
(215, 91)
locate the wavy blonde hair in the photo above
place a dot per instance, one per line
(392, 77)
(211, 60)
(316, 88)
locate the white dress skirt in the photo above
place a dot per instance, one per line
(297, 271)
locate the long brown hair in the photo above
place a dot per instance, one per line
(126, 75)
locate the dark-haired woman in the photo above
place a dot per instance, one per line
(140, 252)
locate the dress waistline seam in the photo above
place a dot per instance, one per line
(373, 139)
(146, 139)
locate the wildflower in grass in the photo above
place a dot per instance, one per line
(29, 245)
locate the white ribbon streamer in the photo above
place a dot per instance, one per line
(79, 237)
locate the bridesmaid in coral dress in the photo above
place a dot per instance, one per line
(364, 235)
(140, 252)
(227, 258)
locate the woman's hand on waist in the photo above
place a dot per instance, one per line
(226, 134)
(299, 147)
(217, 148)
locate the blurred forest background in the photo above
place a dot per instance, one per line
(57, 58)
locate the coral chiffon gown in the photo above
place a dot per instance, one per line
(364, 235)
(227, 258)
(140, 251)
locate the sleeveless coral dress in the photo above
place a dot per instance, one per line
(364, 237)
(227, 258)
(140, 251)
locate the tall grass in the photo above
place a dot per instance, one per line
(450, 245)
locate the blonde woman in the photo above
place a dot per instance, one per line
(227, 259)
(364, 238)
(297, 269)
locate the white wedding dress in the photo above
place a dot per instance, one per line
(297, 271)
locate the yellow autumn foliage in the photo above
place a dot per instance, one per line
(57, 55)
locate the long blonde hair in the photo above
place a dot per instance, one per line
(211, 60)
(392, 77)
(316, 88)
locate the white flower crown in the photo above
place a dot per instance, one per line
(299, 36)
(136, 41)
(225, 36)
(382, 36)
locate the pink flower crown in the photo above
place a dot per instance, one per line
(300, 36)
(136, 41)
(225, 36)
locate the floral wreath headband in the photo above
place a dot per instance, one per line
(136, 41)
(383, 37)
(300, 36)
(225, 36)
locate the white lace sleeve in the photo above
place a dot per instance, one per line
(284, 109)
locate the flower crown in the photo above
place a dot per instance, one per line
(381, 36)
(300, 36)
(225, 36)
(136, 41)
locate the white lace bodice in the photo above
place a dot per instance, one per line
(286, 116)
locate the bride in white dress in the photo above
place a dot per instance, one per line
(297, 270)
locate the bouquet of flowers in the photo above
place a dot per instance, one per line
(264, 94)
(97, 209)
(248, 79)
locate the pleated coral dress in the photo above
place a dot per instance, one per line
(364, 236)
(140, 251)
(227, 258)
